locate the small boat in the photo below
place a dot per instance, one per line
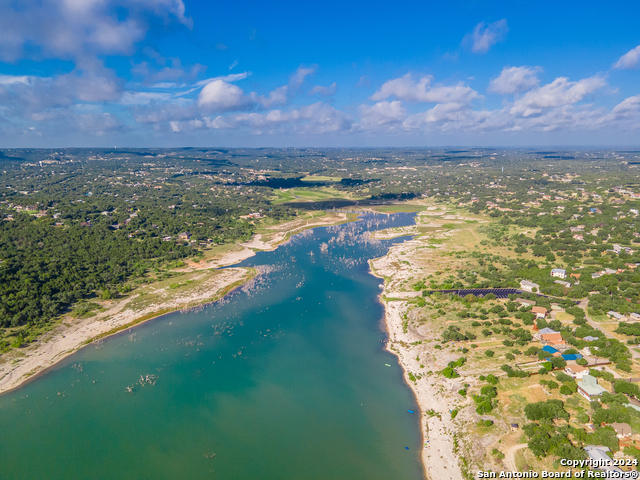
(410, 411)
(387, 365)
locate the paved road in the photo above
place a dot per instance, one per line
(583, 305)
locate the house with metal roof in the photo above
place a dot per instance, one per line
(529, 286)
(571, 356)
(588, 387)
(598, 456)
(615, 315)
(559, 272)
(524, 301)
(547, 330)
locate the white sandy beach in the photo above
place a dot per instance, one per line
(434, 394)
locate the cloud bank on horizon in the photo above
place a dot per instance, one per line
(169, 72)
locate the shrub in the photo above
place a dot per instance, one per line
(449, 372)
(564, 390)
(558, 362)
(549, 383)
(563, 377)
(18, 342)
(484, 407)
(629, 388)
(546, 411)
(489, 391)
(489, 353)
(531, 351)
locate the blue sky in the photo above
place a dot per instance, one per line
(154, 73)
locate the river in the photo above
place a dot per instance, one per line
(285, 378)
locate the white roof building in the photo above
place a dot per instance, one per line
(528, 286)
(598, 455)
(615, 315)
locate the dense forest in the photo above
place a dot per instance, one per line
(82, 222)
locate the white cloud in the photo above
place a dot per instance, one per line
(628, 108)
(560, 92)
(297, 79)
(276, 97)
(514, 80)
(315, 119)
(629, 60)
(94, 86)
(79, 29)
(319, 89)
(171, 73)
(13, 79)
(382, 114)
(404, 88)
(220, 96)
(234, 77)
(364, 82)
(144, 98)
(446, 117)
(484, 36)
(164, 85)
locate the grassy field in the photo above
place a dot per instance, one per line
(403, 208)
(310, 195)
(597, 318)
(564, 317)
(320, 178)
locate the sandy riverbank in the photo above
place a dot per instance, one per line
(435, 394)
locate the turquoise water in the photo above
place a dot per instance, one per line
(284, 379)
